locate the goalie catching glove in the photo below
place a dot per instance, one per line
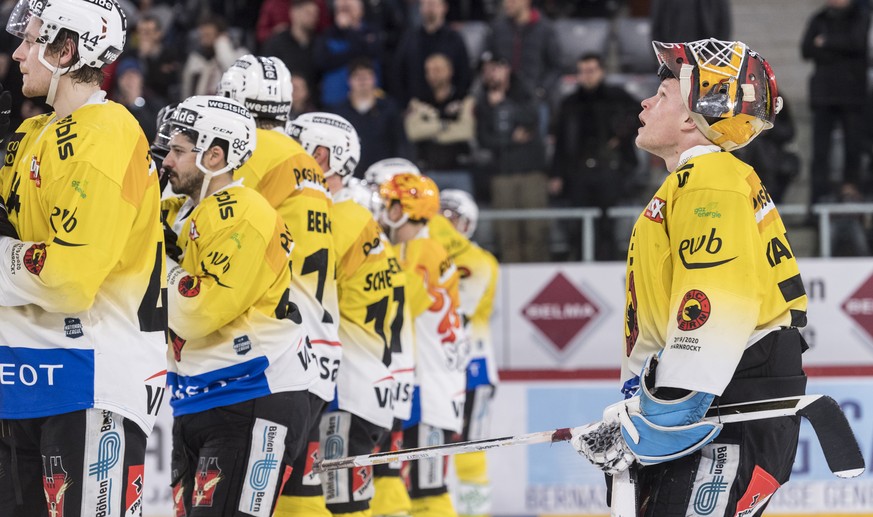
(654, 426)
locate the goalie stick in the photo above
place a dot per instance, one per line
(841, 450)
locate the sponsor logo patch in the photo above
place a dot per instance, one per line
(655, 209)
(206, 480)
(262, 473)
(242, 345)
(693, 310)
(715, 475)
(761, 487)
(133, 494)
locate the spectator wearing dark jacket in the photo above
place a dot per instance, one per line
(690, 20)
(528, 40)
(836, 42)
(418, 43)
(350, 38)
(507, 128)
(375, 116)
(294, 46)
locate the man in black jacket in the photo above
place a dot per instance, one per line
(836, 42)
(594, 148)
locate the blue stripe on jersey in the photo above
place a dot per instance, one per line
(415, 414)
(477, 373)
(37, 382)
(222, 387)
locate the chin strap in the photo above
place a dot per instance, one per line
(208, 174)
(57, 72)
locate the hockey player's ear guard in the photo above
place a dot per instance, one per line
(663, 429)
(730, 89)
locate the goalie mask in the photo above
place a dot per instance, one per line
(730, 89)
(262, 84)
(333, 132)
(99, 25)
(207, 119)
(459, 207)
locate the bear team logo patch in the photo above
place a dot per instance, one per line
(189, 286)
(34, 258)
(693, 310)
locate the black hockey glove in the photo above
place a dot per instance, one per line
(171, 243)
(6, 228)
(5, 112)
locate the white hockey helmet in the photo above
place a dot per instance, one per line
(100, 27)
(333, 132)
(262, 84)
(207, 118)
(357, 191)
(384, 170)
(460, 208)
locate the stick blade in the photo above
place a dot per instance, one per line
(835, 435)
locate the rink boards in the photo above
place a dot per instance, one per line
(558, 332)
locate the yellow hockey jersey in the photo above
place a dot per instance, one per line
(368, 302)
(83, 293)
(441, 348)
(293, 184)
(478, 270)
(235, 334)
(709, 272)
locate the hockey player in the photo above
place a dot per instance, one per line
(290, 179)
(240, 367)
(478, 281)
(82, 281)
(714, 296)
(371, 313)
(409, 201)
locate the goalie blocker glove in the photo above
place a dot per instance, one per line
(650, 428)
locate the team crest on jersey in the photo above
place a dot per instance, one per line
(34, 258)
(654, 210)
(189, 286)
(73, 328)
(177, 343)
(693, 310)
(206, 481)
(193, 235)
(55, 482)
(34, 171)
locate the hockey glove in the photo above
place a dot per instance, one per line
(6, 228)
(5, 112)
(171, 242)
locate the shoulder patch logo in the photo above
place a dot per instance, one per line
(34, 258)
(693, 310)
(189, 286)
(654, 210)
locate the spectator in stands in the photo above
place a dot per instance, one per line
(301, 97)
(690, 20)
(375, 116)
(389, 19)
(528, 40)
(836, 42)
(472, 10)
(433, 36)
(275, 17)
(294, 46)
(849, 234)
(594, 157)
(507, 129)
(214, 54)
(160, 64)
(775, 164)
(581, 8)
(130, 92)
(441, 124)
(348, 39)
